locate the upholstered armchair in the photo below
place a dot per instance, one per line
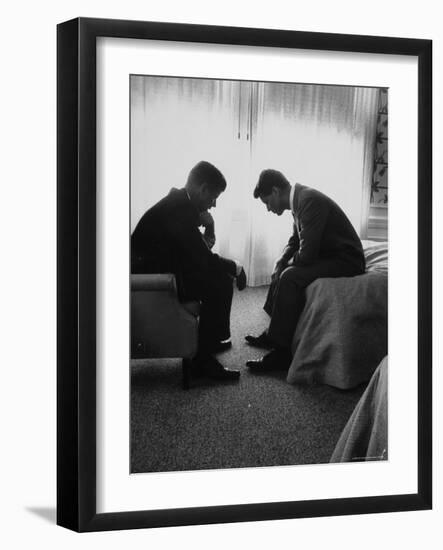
(161, 325)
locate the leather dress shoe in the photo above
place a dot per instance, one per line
(218, 347)
(274, 360)
(261, 341)
(214, 369)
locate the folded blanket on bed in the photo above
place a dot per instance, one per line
(376, 256)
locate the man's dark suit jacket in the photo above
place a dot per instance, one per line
(321, 231)
(167, 239)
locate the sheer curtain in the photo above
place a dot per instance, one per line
(175, 123)
(321, 136)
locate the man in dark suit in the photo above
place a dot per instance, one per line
(167, 239)
(323, 244)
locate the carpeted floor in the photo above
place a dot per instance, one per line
(260, 420)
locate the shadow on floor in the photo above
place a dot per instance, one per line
(48, 514)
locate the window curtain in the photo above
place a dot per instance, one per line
(175, 123)
(320, 136)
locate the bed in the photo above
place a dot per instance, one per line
(365, 436)
(341, 336)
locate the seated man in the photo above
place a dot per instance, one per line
(167, 239)
(323, 244)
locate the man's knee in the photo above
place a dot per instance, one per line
(290, 277)
(299, 276)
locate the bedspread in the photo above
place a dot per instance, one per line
(341, 336)
(365, 436)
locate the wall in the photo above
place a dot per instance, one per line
(28, 270)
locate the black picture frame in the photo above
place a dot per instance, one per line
(76, 279)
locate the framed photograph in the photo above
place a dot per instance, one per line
(244, 274)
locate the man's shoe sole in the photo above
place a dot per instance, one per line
(258, 342)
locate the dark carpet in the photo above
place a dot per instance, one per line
(260, 420)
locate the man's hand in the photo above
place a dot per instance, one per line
(206, 220)
(241, 280)
(209, 240)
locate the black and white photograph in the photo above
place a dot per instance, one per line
(259, 273)
(221, 283)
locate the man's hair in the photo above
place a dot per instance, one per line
(268, 179)
(205, 172)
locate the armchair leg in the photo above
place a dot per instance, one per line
(186, 366)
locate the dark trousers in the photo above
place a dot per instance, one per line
(215, 310)
(215, 296)
(286, 296)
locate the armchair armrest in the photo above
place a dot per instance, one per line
(156, 281)
(161, 326)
